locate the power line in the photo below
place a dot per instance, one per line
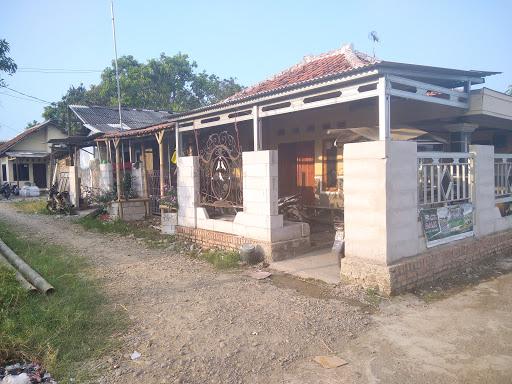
(59, 69)
(23, 98)
(24, 94)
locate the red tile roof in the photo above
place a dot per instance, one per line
(311, 68)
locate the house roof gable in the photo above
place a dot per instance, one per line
(22, 136)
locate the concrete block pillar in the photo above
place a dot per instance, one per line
(380, 188)
(188, 190)
(482, 193)
(260, 193)
(74, 187)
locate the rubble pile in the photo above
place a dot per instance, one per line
(25, 373)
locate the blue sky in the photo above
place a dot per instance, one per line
(249, 40)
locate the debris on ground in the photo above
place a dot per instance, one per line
(25, 373)
(259, 275)
(330, 361)
(135, 355)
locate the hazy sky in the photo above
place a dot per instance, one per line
(249, 40)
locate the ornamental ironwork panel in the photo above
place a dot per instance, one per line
(220, 167)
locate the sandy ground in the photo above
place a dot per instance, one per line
(193, 324)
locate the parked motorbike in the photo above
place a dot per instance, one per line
(59, 202)
(5, 190)
(15, 190)
(290, 208)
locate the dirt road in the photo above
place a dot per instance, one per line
(193, 324)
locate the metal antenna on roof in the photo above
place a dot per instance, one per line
(372, 36)
(115, 61)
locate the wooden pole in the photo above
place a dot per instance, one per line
(143, 170)
(118, 169)
(161, 149)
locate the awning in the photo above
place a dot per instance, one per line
(27, 154)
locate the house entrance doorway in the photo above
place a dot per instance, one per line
(296, 169)
(39, 175)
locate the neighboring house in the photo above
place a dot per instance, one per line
(95, 122)
(26, 157)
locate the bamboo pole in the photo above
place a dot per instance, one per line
(24, 269)
(23, 282)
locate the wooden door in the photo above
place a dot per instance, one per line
(39, 171)
(297, 170)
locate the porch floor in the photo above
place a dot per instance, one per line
(319, 264)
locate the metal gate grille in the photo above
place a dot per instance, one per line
(220, 170)
(154, 190)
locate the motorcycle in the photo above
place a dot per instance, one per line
(59, 202)
(5, 190)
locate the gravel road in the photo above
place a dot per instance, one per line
(193, 324)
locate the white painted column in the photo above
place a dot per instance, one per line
(188, 190)
(256, 128)
(384, 109)
(178, 141)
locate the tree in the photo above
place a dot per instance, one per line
(30, 124)
(7, 64)
(167, 83)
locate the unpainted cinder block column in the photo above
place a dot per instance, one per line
(381, 219)
(188, 190)
(260, 193)
(482, 193)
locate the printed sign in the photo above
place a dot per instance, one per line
(445, 224)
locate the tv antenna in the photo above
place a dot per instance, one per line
(115, 61)
(374, 38)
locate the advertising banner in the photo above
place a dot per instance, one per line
(445, 224)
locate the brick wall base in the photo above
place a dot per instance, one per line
(427, 267)
(268, 251)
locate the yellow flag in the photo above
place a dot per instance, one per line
(173, 158)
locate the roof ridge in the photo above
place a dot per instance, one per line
(354, 58)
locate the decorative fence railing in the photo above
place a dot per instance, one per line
(503, 178)
(443, 177)
(220, 171)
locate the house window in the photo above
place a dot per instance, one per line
(22, 168)
(330, 166)
(4, 172)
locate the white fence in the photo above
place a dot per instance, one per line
(503, 178)
(443, 177)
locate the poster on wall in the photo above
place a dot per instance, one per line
(445, 224)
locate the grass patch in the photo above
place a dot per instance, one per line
(373, 297)
(151, 236)
(62, 331)
(32, 206)
(221, 259)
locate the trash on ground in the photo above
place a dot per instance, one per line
(25, 373)
(330, 361)
(259, 275)
(135, 355)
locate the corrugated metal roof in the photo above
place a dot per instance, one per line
(138, 132)
(106, 119)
